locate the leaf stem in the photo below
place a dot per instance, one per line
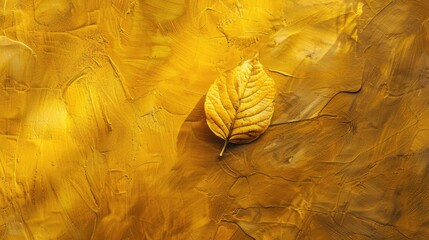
(223, 149)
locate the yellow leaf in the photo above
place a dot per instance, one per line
(239, 104)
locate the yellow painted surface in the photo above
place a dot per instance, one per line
(103, 133)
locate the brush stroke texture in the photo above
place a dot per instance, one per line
(103, 135)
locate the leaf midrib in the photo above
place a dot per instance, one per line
(231, 128)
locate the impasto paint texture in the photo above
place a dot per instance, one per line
(104, 135)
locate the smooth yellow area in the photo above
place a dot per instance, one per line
(103, 132)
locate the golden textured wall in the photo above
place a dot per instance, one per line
(103, 133)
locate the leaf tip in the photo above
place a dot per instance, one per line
(256, 57)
